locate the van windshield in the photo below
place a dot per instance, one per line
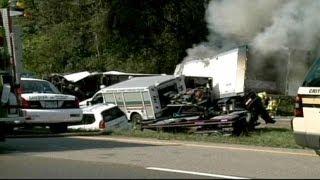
(313, 77)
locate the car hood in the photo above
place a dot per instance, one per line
(84, 102)
(98, 108)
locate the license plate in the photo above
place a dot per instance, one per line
(50, 104)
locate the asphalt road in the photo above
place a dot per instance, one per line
(109, 157)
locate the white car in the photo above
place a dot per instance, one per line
(103, 117)
(43, 104)
(306, 123)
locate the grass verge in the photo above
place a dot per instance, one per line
(268, 137)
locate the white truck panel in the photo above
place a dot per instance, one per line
(226, 70)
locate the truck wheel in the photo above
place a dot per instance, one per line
(59, 128)
(136, 120)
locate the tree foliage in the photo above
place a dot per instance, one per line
(147, 36)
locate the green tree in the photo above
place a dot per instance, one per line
(147, 36)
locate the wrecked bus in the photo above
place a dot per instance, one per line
(85, 84)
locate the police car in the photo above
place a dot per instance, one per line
(43, 104)
(306, 123)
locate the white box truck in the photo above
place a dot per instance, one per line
(141, 98)
(230, 73)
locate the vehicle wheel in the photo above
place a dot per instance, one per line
(9, 129)
(240, 127)
(28, 127)
(317, 152)
(59, 128)
(2, 133)
(136, 121)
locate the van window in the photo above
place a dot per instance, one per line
(313, 77)
(97, 99)
(109, 98)
(111, 114)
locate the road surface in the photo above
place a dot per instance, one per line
(116, 157)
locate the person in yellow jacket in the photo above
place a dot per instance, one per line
(273, 107)
(264, 98)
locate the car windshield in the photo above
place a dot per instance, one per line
(34, 86)
(313, 77)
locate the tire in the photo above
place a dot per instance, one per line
(136, 121)
(58, 128)
(9, 129)
(317, 152)
(240, 127)
(2, 133)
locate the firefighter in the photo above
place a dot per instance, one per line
(264, 98)
(256, 108)
(273, 107)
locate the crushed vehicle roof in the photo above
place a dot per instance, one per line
(74, 77)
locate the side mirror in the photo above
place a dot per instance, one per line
(102, 86)
(88, 103)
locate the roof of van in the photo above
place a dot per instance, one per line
(141, 82)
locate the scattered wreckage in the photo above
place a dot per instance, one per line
(214, 94)
(225, 89)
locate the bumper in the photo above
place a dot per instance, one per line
(302, 136)
(300, 139)
(47, 116)
(307, 140)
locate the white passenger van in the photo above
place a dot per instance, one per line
(306, 123)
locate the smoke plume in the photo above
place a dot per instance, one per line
(269, 26)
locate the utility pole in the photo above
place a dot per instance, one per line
(288, 70)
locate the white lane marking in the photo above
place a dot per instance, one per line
(195, 173)
(157, 142)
